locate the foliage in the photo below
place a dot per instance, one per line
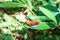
(21, 19)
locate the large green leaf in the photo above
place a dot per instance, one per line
(41, 26)
(42, 18)
(48, 13)
(11, 4)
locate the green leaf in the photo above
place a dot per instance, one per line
(11, 4)
(42, 18)
(9, 19)
(48, 14)
(41, 26)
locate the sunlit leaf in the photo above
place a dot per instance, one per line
(42, 18)
(11, 5)
(41, 26)
(9, 19)
(48, 14)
